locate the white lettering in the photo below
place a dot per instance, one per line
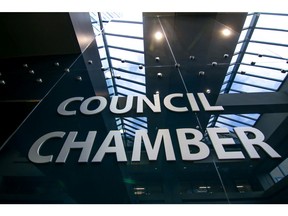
(249, 143)
(155, 107)
(184, 143)
(34, 154)
(206, 105)
(218, 144)
(62, 107)
(106, 148)
(85, 104)
(152, 152)
(70, 143)
(168, 104)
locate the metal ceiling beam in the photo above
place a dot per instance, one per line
(270, 102)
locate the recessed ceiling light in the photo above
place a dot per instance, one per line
(208, 91)
(226, 32)
(158, 35)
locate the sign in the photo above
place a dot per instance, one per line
(141, 136)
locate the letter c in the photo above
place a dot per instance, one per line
(62, 107)
(168, 104)
(34, 155)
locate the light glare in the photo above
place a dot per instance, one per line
(226, 32)
(158, 35)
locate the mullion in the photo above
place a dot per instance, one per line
(135, 119)
(264, 55)
(131, 128)
(131, 62)
(235, 90)
(134, 127)
(127, 21)
(219, 121)
(129, 72)
(126, 49)
(248, 117)
(141, 120)
(262, 66)
(125, 36)
(261, 77)
(125, 119)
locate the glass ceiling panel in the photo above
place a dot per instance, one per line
(242, 35)
(129, 43)
(264, 72)
(125, 29)
(238, 47)
(250, 80)
(270, 36)
(247, 88)
(275, 21)
(127, 55)
(124, 75)
(131, 85)
(260, 67)
(123, 39)
(247, 21)
(265, 61)
(278, 51)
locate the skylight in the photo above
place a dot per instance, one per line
(259, 63)
(120, 43)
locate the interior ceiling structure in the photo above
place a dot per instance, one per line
(192, 55)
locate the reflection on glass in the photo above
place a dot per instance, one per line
(226, 32)
(158, 35)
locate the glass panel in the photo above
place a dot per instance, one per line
(254, 116)
(129, 43)
(257, 81)
(242, 35)
(267, 49)
(247, 21)
(234, 58)
(133, 125)
(246, 88)
(126, 91)
(125, 29)
(275, 21)
(127, 67)
(223, 87)
(102, 53)
(284, 167)
(276, 174)
(270, 36)
(264, 72)
(138, 122)
(132, 16)
(219, 124)
(265, 61)
(131, 85)
(230, 121)
(127, 55)
(130, 76)
(238, 47)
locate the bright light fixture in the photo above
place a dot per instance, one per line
(158, 35)
(208, 91)
(226, 32)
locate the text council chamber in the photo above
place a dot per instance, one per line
(186, 137)
(163, 136)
